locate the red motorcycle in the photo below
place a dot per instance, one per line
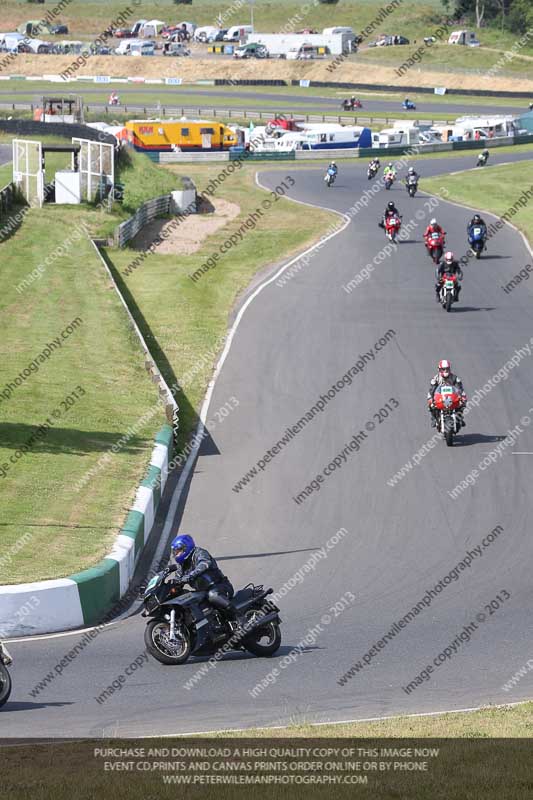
(448, 291)
(349, 105)
(448, 403)
(392, 228)
(435, 245)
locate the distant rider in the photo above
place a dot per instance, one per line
(451, 267)
(483, 157)
(445, 377)
(201, 572)
(412, 176)
(390, 171)
(333, 168)
(374, 164)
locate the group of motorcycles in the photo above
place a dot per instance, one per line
(435, 241)
(352, 103)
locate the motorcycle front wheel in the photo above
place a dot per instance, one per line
(5, 685)
(449, 299)
(265, 641)
(162, 648)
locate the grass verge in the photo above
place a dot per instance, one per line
(50, 528)
(496, 189)
(507, 721)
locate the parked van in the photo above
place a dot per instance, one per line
(238, 32)
(166, 136)
(464, 37)
(202, 34)
(175, 49)
(139, 47)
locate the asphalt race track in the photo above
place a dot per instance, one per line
(294, 342)
(6, 152)
(286, 101)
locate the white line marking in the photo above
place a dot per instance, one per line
(344, 721)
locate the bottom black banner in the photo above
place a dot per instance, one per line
(152, 769)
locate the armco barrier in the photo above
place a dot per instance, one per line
(30, 127)
(264, 156)
(85, 598)
(158, 207)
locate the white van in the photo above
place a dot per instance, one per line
(237, 33)
(138, 47)
(136, 29)
(202, 34)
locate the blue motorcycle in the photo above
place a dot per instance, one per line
(476, 238)
(408, 105)
(330, 176)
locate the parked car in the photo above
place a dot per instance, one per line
(175, 49)
(252, 50)
(123, 33)
(57, 30)
(218, 37)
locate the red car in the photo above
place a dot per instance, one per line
(123, 33)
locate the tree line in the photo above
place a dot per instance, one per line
(513, 15)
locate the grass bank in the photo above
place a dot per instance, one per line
(72, 383)
(496, 189)
(503, 722)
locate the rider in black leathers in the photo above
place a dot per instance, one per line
(202, 573)
(448, 265)
(390, 211)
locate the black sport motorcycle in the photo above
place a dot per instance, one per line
(184, 623)
(5, 677)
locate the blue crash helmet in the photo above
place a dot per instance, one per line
(181, 547)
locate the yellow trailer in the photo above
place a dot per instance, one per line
(161, 136)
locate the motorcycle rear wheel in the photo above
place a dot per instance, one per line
(159, 646)
(5, 685)
(254, 643)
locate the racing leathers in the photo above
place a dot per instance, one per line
(433, 229)
(452, 268)
(202, 573)
(439, 380)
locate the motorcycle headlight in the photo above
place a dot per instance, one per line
(151, 603)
